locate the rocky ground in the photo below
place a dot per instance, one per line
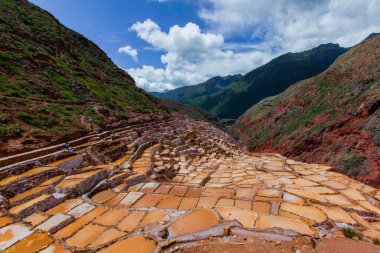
(179, 186)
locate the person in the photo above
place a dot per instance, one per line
(68, 147)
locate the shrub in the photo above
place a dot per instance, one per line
(10, 130)
(352, 162)
(349, 232)
(3, 118)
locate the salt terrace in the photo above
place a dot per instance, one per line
(158, 186)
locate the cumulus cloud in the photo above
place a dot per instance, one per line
(294, 25)
(268, 28)
(190, 56)
(129, 51)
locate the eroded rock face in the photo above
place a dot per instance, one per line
(167, 184)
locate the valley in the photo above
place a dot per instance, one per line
(284, 157)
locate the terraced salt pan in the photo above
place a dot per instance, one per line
(308, 212)
(33, 243)
(130, 245)
(11, 234)
(195, 221)
(85, 236)
(212, 182)
(337, 214)
(245, 217)
(80, 210)
(272, 221)
(54, 222)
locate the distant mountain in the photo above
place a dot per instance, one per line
(55, 85)
(268, 80)
(192, 112)
(187, 93)
(332, 118)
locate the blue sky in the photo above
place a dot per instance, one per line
(107, 23)
(166, 44)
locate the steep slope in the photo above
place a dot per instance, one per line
(268, 80)
(193, 112)
(332, 118)
(56, 84)
(188, 93)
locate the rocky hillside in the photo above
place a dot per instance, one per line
(57, 85)
(269, 80)
(332, 118)
(189, 93)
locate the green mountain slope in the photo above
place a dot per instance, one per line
(332, 118)
(268, 80)
(55, 84)
(188, 93)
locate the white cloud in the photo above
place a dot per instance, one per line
(190, 56)
(129, 51)
(295, 25)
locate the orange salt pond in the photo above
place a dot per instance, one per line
(103, 196)
(134, 244)
(154, 216)
(272, 221)
(195, 221)
(85, 236)
(32, 243)
(245, 217)
(107, 236)
(308, 212)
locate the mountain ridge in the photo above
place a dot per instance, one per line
(187, 93)
(331, 118)
(268, 80)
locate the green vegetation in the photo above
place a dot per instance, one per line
(352, 162)
(64, 87)
(6, 128)
(376, 241)
(227, 122)
(9, 130)
(259, 138)
(36, 119)
(292, 125)
(94, 116)
(4, 119)
(349, 232)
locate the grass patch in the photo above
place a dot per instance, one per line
(259, 139)
(11, 89)
(349, 232)
(64, 87)
(10, 130)
(3, 118)
(38, 120)
(352, 162)
(94, 116)
(7, 129)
